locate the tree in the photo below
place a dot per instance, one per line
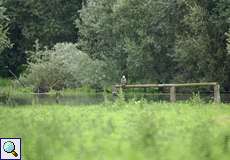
(133, 37)
(4, 42)
(192, 42)
(62, 66)
(201, 41)
(49, 22)
(161, 41)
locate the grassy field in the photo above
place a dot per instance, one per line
(120, 131)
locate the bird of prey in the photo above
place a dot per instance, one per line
(123, 81)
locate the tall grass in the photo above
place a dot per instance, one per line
(131, 131)
(5, 82)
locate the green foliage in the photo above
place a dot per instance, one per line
(132, 36)
(62, 66)
(201, 52)
(192, 42)
(4, 42)
(5, 82)
(149, 41)
(49, 22)
(158, 41)
(120, 101)
(196, 99)
(39, 19)
(157, 131)
(228, 42)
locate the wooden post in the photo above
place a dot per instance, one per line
(114, 91)
(173, 94)
(217, 93)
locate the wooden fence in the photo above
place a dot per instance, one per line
(173, 87)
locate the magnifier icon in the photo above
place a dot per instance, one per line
(9, 147)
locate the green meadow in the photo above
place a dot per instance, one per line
(120, 131)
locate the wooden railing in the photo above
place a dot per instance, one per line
(173, 87)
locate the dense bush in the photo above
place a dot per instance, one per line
(62, 66)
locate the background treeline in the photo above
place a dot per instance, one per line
(157, 41)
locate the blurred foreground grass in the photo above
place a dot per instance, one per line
(120, 131)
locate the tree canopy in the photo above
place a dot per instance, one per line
(49, 22)
(4, 42)
(157, 41)
(62, 66)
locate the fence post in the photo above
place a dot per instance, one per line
(217, 93)
(173, 94)
(114, 91)
(57, 97)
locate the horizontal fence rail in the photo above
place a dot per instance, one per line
(215, 85)
(167, 85)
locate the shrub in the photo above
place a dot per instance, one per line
(62, 66)
(196, 99)
(228, 42)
